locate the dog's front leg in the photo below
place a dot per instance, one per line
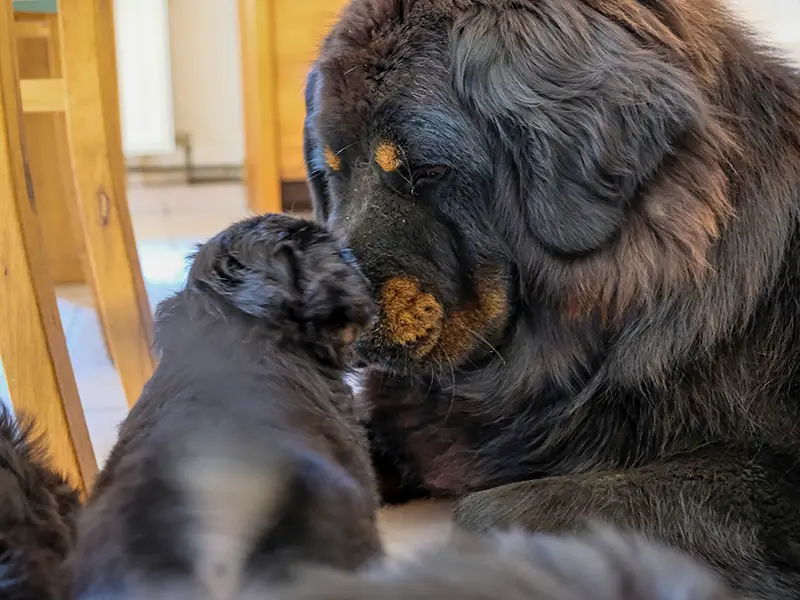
(739, 512)
(420, 442)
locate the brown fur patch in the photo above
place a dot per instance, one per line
(467, 326)
(687, 28)
(387, 155)
(410, 316)
(664, 248)
(332, 159)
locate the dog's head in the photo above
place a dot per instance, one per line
(289, 274)
(558, 161)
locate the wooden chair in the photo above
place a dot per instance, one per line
(279, 41)
(82, 91)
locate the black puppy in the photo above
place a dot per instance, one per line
(38, 511)
(242, 456)
(599, 565)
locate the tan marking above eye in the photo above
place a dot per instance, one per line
(387, 155)
(332, 159)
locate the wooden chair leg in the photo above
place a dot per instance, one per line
(259, 75)
(93, 124)
(46, 139)
(51, 166)
(32, 344)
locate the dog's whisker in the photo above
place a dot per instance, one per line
(481, 338)
(346, 148)
(452, 387)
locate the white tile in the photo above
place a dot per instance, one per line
(103, 425)
(5, 396)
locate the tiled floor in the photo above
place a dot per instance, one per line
(168, 222)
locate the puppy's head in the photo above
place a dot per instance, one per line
(290, 273)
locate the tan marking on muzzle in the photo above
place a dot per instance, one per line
(387, 155)
(410, 316)
(467, 327)
(332, 159)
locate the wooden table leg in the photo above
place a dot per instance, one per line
(32, 344)
(93, 123)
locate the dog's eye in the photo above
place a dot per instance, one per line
(428, 174)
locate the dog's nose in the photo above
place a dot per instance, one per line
(411, 318)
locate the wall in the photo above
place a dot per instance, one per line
(145, 76)
(777, 20)
(206, 78)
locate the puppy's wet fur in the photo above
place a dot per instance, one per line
(38, 512)
(243, 455)
(601, 564)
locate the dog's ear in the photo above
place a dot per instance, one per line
(315, 170)
(337, 300)
(245, 266)
(287, 271)
(584, 112)
(261, 290)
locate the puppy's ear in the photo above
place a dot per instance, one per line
(584, 112)
(317, 180)
(286, 271)
(259, 279)
(337, 301)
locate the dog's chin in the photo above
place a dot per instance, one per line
(371, 351)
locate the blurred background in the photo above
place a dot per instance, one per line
(210, 108)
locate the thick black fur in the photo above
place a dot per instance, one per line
(243, 452)
(598, 565)
(628, 172)
(38, 514)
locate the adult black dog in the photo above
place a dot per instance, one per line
(580, 218)
(242, 457)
